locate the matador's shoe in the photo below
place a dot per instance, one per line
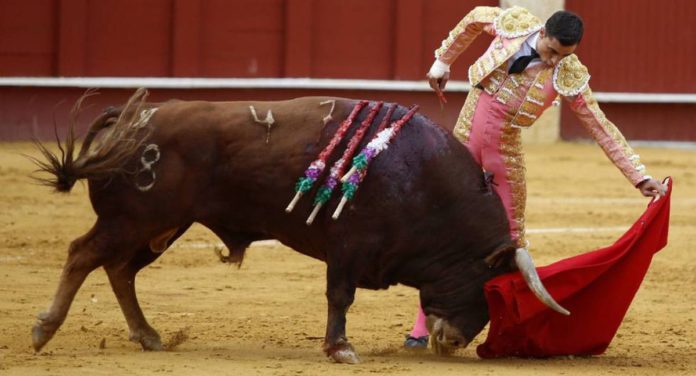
(416, 343)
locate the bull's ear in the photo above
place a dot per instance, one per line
(502, 256)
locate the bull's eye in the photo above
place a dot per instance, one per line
(456, 343)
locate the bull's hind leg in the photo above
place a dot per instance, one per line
(340, 293)
(84, 255)
(122, 277)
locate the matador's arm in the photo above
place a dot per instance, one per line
(478, 20)
(571, 80)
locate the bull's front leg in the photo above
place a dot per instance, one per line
(340, 293)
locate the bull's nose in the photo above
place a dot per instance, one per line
(452, 342)
(447, 347)
(459, 342)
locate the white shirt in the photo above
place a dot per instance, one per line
(526, 50)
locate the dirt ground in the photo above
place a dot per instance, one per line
(268, 317)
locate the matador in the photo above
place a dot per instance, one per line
(528, 65)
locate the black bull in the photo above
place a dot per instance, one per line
(424, 216)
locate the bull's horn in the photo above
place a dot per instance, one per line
(526, 266)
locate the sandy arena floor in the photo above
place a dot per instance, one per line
(268, 317)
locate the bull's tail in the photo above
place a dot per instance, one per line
(109, 157)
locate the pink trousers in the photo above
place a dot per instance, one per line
(496, 146)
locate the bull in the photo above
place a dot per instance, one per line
(424, 217)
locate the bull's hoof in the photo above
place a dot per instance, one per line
(41, 333)
(40, 337)
(343, 353)
(149, 342)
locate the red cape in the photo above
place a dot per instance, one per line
(596, 287)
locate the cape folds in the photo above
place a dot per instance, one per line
(597, 287)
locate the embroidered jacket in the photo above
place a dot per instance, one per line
(569, 79)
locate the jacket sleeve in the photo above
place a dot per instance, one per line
(459, 39)
(609, 138)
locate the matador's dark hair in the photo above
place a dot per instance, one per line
(566, 27)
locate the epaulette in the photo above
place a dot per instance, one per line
(483, 14)
(570, 77)
(515, 22)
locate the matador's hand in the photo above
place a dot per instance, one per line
(438, 75)
(438, 83)
(651, 188)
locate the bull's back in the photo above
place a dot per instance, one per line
(217, 161)
(221, 167)
(244, 155)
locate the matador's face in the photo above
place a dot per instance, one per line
(550, 50)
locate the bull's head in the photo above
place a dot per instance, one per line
(447, 334)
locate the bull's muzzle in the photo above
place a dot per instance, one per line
(444, 338)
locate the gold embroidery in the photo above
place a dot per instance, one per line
(511, 86)
(462, 130)
(515, 22)
(465, 32)
(534, 102)
(514, 81)
(503, 95)
(494, 80)
(493, 59)
(570, 77)
(613, 132)
(511, 151)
